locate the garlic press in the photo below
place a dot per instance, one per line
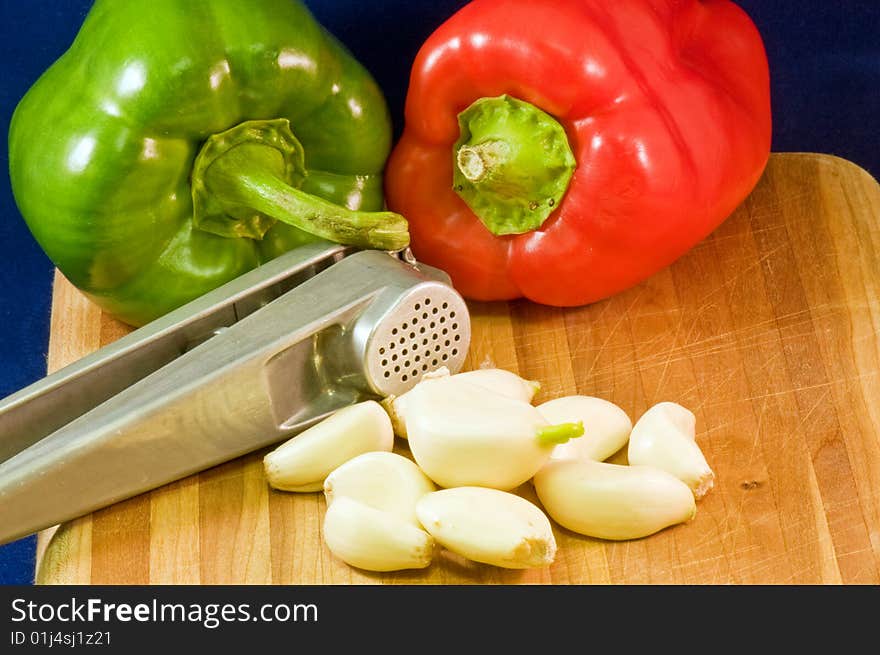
(242, 367)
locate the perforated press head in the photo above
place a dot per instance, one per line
(428, 328)
(411, 323)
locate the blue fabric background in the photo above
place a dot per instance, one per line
(825, 66)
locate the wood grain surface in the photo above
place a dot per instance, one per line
(769, 331)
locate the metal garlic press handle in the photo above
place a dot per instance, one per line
(364, 327)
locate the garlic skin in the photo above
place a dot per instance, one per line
(303, 462)
(489, 526)
(463, 435)
(495, 380)
(610, 501)
(665, 437)
(373, 540)
(384, 481)
(606, 426)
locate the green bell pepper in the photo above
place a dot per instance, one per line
(180, 143)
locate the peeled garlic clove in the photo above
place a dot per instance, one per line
(610, 501)
(606, 426)
(665, 437)
(384, 481)
(461, 435)
(303, 462)
(502, 382)
(394, 406)
(489, 526)
(371, 539)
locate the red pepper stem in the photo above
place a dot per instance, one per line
(560, 433)
(476, 162)
(512, 164)
(247, 178)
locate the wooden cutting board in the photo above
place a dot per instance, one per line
(769, 331)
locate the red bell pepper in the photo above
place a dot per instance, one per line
(565, 150)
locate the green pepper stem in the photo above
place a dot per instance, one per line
(246, 178)
(273, 197)
(560, 433)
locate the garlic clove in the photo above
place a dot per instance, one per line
(303, 462)
(606, 426)
(384, 481)
(394, 406)
(665, 437)
(464, 435)
(489, 526)
(610, 501)
(370, 539)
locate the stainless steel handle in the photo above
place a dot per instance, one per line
(217, 401)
